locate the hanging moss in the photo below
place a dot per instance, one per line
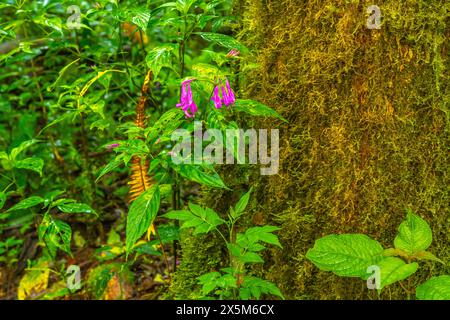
(368, 131)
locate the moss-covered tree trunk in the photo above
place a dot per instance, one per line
(368, 134)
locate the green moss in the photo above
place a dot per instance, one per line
(368, 131)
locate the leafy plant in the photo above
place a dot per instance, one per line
(356, 255)
(243, 249)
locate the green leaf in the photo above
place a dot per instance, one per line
(196, 173)
(139, 16)
(115, 163)
(224, 41)
(202, 220)
(436, 288)
(425, 255)
(183, 6)
(158, 58)
(257, 286)
(241, 204)
(395, 269)
(414, 234)
(27, 203)
(142, 212)
(347, 255)
(56, 234)
(2, 199)
(22, 147)
(256, 108)
(76, 208)
(251, 257)
(34, 164)
(263, 234)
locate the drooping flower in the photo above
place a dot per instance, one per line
(187, 103)
(112, 146)
(228, 97)
(216, 98)
(230, 94)
(233, 53)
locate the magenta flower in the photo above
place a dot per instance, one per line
(187, 103)
(228, 97)
(230, 94)
(216, 98)
(112, 146)
(232, 53)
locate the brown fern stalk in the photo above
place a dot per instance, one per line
(140, 181)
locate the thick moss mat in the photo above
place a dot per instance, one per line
(368, 134)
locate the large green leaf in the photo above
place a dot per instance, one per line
(34, 164)
(224, 41)
(198, 174)
(414, 234)
(27, 203)
(394, 269)
(256, 108)
(201, 219)
(436, 288)
(142, 212)
(347, 255)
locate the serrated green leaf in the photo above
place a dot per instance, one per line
(27, 203)
(198, 174)
(414, 234)
(34, 164)
(436, 288)
(201, 219)
(394, 269)
(142, 212)
(263, 234)
(256, 108)
(347, 255)
(241, 204)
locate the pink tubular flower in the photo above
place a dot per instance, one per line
(230, 94)
(232, 53)
(112, 146)
(187, 103)
(216, 98)
(228, 97)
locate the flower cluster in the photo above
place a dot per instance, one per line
(187, 103)
(227, 95)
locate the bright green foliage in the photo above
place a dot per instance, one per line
(141, 215)
(436, 288)
(414, 235)
(243, 249)
(353, 255)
